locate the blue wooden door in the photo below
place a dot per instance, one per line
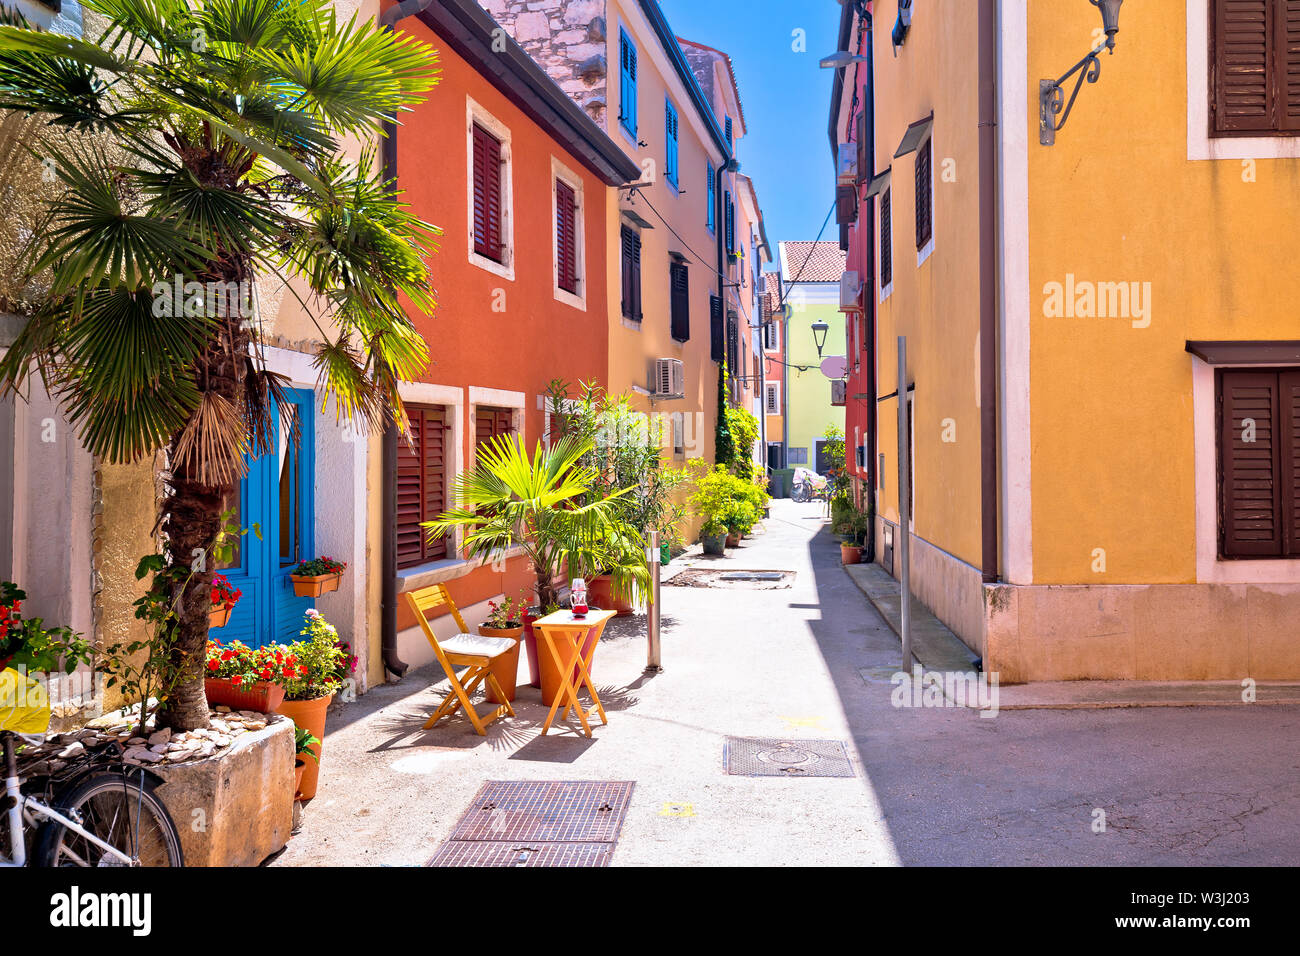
(275, 499)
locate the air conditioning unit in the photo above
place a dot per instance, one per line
(846, 164)
(670, 379)
(839, 392)
(850, 289)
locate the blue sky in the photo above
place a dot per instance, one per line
(785, 96)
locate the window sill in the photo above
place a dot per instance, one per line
(491, 265)
(924, 252)
(571, 299)
(632, 324)
(433, 572)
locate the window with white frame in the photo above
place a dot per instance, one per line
(772, 401)
(490, 195)
(568, 240)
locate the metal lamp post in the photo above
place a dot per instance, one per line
(819, 330)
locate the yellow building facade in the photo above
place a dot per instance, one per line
(1141, 268)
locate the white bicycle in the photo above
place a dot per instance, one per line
(96, 811)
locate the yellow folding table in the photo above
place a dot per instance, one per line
(565, 636)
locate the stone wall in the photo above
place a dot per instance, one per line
(567, 38)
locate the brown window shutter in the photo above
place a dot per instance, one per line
(631, 272)
(680, 312)
(717, 333)
(846, 204)
(924, 197)
(487, 195)
(1289, 422)
(421, 486)
(1289, 65)
(1250, 490)
(1243, 83)
(410, 491)
(566, 236)
(886, 240)
(434, 466)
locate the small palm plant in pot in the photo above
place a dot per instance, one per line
(535, 503)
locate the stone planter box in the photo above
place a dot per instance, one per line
(242, 796)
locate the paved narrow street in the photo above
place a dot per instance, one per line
(934, 786)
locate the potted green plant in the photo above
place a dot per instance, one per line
(320, 667)
(317, 576)
(303, 742)
(28, 643)
(223, 598)
(713, 502)
(505, 619)
(511, 500)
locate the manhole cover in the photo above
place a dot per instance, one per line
(550, 812)
(537, 853)
(762, 757)
(740, 579)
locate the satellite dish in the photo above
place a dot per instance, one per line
(834, 366)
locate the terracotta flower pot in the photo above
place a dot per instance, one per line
(600, 593)
(530, 647)
(299, 767)
(506, 667)
(551, 674)
(315, 585)
(715, 545)
(262, 696)
(850, 554)
(219, 614)
(309, 715)
(733, 540)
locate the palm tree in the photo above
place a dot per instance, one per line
(512, 500)
(198, 141)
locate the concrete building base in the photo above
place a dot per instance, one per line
(1144, 632)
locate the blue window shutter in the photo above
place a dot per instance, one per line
(627, 87)
(711, 175)
(670, 137)
(728, 130)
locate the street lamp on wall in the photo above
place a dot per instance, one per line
(819, 330)
(1051, 95)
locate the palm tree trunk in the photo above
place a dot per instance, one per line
(192, 512)
(194, 517)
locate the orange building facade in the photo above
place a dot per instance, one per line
(519, 181)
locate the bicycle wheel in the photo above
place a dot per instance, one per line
(124, 813)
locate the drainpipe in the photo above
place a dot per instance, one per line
(719, 222)
(388, 595)
(988, 229)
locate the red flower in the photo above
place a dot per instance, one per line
(266, 673)
(227, 654)
(214, 665)
(236, 680)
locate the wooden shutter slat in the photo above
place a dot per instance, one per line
(886, 241)
(924, 213)
(717, 334)
(1245, 65)
(680, 305)
(566, 233)
(1251, 505)
(1289, 448)
(487, 195)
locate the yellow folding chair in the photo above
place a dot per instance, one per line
(471, 651)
